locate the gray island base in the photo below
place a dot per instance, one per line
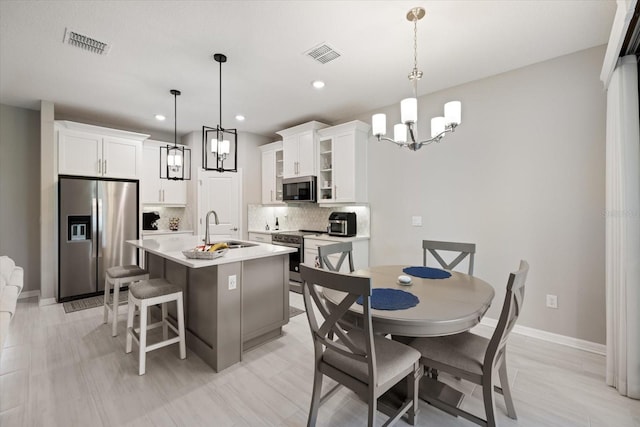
(233, 303)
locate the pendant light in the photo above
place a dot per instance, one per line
(219, 145)
(175, 161)
(405, 134)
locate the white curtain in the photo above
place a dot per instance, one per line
(623, 229)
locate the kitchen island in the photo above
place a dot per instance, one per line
(232, 303)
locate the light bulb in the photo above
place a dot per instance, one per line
(437, 126)
(379, 124)
(409, 110)
(453, 113)
(400, 133)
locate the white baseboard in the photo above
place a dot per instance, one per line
(28, 294)
(551, 337)
(46, 301)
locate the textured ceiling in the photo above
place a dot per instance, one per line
(163, 45)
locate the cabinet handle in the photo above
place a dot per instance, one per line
(163, 199)
(234, 229)
(105, 167)
(100, 167)
(335, 192)
(159, 195)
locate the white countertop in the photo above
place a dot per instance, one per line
(317, 236)
(336, 238)
(161, 232)
(171, 248)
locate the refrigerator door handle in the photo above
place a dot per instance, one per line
(99, 228)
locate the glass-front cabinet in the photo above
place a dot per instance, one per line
(272, 173)
(342, 163)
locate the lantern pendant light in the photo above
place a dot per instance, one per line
(219, 145)
(175, 161)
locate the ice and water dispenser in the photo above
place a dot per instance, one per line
(79, 227)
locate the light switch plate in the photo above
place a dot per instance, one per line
(416, 221)
(232, 282)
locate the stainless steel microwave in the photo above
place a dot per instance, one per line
(299, 189)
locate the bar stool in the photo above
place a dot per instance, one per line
(115, 278)
(144, 294)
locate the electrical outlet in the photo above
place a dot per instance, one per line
(232, 282)
(416, 221)
(552, 301)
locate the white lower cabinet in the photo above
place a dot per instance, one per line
(153, 189)
(259, 237)
(360, 251)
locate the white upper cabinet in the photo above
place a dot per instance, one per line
(87, 150)
(153, 189)
(300, 149)
(342, 163)
(272, 173)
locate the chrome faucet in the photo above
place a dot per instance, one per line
(207, 240)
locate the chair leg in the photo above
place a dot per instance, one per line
(181, 333)
(131, 309)
(165, 328)
(142, 350)
(413, 384)
(488, 399)
(115, 303)
(315, 398)
(506, 389)
(373, 408)
(107, 286)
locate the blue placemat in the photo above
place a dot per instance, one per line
(391, 299)
(426, 272)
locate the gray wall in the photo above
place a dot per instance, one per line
(523, 177)
(20, 190)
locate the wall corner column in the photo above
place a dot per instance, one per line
(48, 205)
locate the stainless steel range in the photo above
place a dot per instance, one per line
(293, 239)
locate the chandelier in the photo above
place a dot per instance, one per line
(175, 160)
(219, 145)
(405, 134)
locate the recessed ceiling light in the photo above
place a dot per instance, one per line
(318, 84)
(240, 117)
(160, 117)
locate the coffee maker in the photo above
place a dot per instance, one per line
(150, 220)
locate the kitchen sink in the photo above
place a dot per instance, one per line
(233, 244)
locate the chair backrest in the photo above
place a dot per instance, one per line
(345, 249)
(433, 246)
(326, 328)
(511, 308)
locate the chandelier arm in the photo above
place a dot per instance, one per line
(386, 138)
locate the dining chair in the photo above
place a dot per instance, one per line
(345, 249)
(475, 358)
(434, 246)
(366, 363)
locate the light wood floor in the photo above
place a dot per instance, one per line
(66, 370)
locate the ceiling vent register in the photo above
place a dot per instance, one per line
(85, 42)
(323, 53)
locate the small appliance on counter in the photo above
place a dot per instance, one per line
(343, 224)
(150, 220)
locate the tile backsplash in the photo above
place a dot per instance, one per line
(303, 217)
(171, 212)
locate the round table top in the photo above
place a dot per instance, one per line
(447, 306)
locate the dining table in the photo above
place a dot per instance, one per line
(451, 304)
(446, 306)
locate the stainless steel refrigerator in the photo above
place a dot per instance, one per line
(95, 217)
